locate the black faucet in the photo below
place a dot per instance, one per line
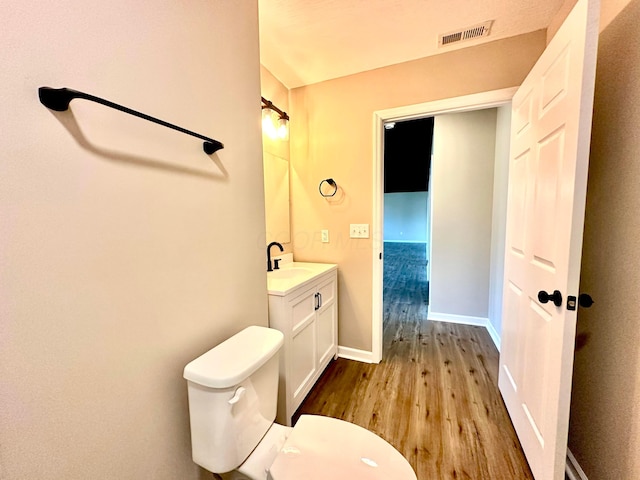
(269, 267)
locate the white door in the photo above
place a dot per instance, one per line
(550, 137)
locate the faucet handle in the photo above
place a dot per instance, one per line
(277, 261)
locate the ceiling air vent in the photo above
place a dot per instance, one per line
(476, 31)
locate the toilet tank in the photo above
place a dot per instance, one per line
(233, 392)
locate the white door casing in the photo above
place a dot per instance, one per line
(550, 137)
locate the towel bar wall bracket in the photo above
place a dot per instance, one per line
(58, 99)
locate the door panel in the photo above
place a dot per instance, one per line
(518, 203)
(303, 310)
(544, 223)
(511, 331)
(327, 292)
(326, 321)
(326, 333)
(545, 215)
(303, 360)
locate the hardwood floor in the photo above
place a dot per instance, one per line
(434, 396)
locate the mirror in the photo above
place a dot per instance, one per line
(276, 193)
(275, 157)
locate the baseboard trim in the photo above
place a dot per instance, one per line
(493, 334)
(573, 469)
(463, 319)
(467, 320)
(355, 354)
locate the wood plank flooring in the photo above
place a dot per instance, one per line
(434, 396)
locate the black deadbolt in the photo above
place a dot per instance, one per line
(555, 297)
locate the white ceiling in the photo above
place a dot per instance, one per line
(308, 41)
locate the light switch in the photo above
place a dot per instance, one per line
(325, 236)
(359, 230)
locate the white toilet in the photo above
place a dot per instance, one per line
(233, 391)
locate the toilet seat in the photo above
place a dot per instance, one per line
(323, 447)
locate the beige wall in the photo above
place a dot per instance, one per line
(125, 255)
(464, 148)
(559, 18)
(276, 168)
(605, 408)
(331, 136)
(609, 10)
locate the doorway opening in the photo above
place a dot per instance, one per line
(407, 164)
(431, 109)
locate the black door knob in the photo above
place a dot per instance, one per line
(555, 297)
(585, 300)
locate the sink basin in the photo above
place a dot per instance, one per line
(287, 273)
(293, 275)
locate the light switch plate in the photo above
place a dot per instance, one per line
(325, 236)
(359, 230)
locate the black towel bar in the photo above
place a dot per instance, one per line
(58, 99)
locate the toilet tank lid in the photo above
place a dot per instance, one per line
(235, 359)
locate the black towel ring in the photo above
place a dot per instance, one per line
(331, 182)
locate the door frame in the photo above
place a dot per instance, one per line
(465, 103)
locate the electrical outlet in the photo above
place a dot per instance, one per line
(359, 230)
(325, 236)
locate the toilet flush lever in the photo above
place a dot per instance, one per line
(238, 395)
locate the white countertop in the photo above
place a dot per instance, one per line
(293, 275)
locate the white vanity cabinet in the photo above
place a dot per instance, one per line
(307, 314)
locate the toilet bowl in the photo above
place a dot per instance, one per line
(323, 447)
(232, 406)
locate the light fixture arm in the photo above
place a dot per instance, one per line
(269, 104)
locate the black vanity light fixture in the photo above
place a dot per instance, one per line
(279, 128)
(58, 99)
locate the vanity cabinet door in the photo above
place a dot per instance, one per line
(302, 361)
(327, 321)
(308, 318)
